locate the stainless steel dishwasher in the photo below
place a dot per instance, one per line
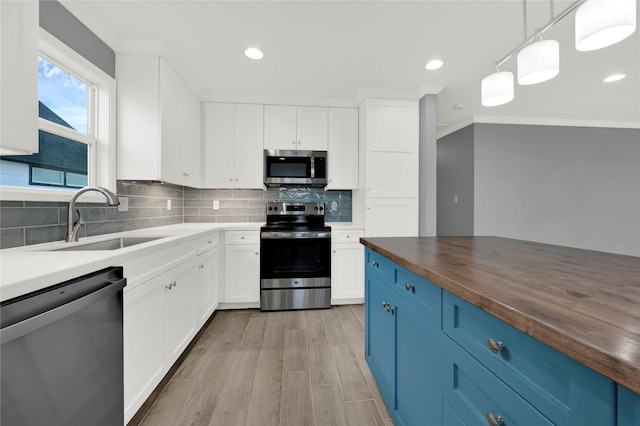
(61, 358)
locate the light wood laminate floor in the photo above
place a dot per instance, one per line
(292, 368)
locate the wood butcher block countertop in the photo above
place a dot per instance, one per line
(585, 304)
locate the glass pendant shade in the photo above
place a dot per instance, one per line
(497, 88)
(601, 23)
(538, 62)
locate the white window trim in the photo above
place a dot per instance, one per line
(103, 173)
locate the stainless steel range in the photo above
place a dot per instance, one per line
(295, 257)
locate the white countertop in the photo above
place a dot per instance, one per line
(31, 268)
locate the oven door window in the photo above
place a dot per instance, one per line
(295, 258)
(288, 167)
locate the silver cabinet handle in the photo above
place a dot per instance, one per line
(201, 266)
(384, 304)
(374, 263)
(494, 420)
(495, 346)
(410, 287)
(209, 242)
(257, 252)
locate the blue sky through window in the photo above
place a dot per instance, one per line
(63, 93)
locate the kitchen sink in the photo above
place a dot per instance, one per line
(112, 244)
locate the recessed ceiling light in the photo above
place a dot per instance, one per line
(253, 53)
(434, 64)
(614, 77)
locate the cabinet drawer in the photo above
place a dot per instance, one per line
(380, 266)
(566, 391)
(475, 394)
(242, 237)
(346, 236)
(419, 292)
(207, 242)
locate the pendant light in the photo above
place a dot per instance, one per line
(539, 61)
(601, 23)
(497, 88)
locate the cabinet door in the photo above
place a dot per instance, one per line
(249, 136)
(347, 267)
(380, 338)
(179, 309)
(208, 284)
(144, 360)
(280, 127)
(418, 395)
(312, 128)
(219, 141)
(391, 155)
(391, 217)
(180, 130)
(628, 407)
(242, 273)
(343, 148)
(18, 77)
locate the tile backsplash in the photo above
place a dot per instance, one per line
(247, 205)
(26, 222)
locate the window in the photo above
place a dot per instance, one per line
(76, 135)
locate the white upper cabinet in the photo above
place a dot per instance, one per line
(233, 137)
(158, 122)
(18, 77)
(295, 128)
(391, 151)
(343, 148)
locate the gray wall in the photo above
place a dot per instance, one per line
(455, 178)
(60, 23)
(428, 164)
(571, 186)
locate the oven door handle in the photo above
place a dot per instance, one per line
(269, 235)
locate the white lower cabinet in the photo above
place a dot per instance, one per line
(347, 267)
(208, 282)
(159, 323)
(179, 309)
(242, 268)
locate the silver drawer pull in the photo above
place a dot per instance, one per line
(410, 287)
(374, 263)
(384, 304)
(495, 420)
(495, 346)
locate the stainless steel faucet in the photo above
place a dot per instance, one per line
(74, 227)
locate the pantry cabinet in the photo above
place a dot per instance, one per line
(389, 167)
(18, 77)
(233, 139)
(158, 118)
(343, 148)
(295, 128)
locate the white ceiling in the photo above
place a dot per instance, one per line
(336, 52)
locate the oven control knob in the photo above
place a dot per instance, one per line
(315, 208)
(321, 208)
(275, 208)
(270, 208)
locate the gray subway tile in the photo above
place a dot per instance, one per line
(114, 214)
(216, 194)
(234, 219)
(17, 217)
(191, 211)
(11, 237)
(191, 194)
(132, 224)
(101, 228)
(256, 218)
(200, 219)
(161, 221)
(248, 194)
(44, 204)
(248, 211)
(44, 234)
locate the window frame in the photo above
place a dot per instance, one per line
(101, 126)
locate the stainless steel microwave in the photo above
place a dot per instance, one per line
(295, 168)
